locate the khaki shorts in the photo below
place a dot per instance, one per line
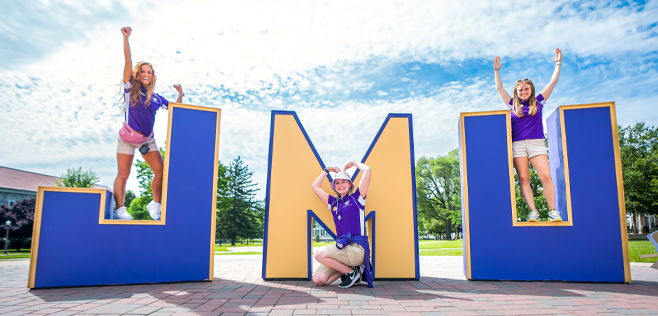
(528, 148)
(129, 149)
(353, 255)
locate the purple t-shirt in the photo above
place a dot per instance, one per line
(348, 213)
(527, 126)
(142, 118)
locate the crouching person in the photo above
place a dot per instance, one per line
(349, 256)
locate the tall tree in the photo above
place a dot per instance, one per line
(21, 215)
(240, 218)
(522, 209)
(224, 200)
(130, 196)
(639, 159)
(137, 206)
(77, 179)
(438, 189)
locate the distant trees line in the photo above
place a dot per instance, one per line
(438, 189)
(438, 185)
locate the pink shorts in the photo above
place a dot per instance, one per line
(129, 149)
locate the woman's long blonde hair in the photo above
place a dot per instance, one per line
(136, 85)
(518, 108)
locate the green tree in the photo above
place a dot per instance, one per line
(438, 190)
(224, 201)
(639, 159)
(522, 209)
(137, 207)
(130, 196)
(240, 218)
(77, 179)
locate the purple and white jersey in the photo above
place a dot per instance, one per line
(142, 118)
(527, 126)
(348, 213)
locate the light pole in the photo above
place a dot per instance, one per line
(7, 224)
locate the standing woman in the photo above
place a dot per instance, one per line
(351, 253)
(528, 135)
(137, 132)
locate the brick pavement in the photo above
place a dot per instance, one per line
(239, 290)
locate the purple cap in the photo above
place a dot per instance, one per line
(341, 176)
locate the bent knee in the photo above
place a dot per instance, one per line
(318, 280)
(321, 254)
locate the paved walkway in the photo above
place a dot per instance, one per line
(238, 290)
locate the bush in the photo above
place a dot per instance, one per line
(317, 238)
(645, 229)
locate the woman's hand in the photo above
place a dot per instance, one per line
(334, 169)
(179, 88)
(348, 165)
(556, 74)
(126, 31)
(497, 63)
(128, 67)
(558, 55)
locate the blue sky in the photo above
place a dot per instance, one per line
(342, 65)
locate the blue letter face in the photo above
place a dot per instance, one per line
(590, 245)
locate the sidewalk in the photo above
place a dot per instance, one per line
(238, 290)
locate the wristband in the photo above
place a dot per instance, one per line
(325, 170)
(558, 64)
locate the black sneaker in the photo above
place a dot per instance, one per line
(351, 278)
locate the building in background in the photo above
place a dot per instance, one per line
(17, 185)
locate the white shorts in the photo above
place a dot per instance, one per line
(129, 149)
(528, 148)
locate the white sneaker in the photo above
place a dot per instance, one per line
(554, 216)
(122, 214)
(533, 216)
(154, 209)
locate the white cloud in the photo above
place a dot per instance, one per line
(60, 107)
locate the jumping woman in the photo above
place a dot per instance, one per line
(528, 135)
(140, 106)
(350, 255)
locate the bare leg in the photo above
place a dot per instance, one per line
(154, 160)
(323, 257)
(319, 278)
(540, 162)
(124, 162)
(523, 171)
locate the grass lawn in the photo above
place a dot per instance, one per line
(439, 244)
(320, 244)
(256, 244)
(440, 247)
(13, 254)
(641, 247)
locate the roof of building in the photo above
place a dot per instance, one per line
(28, 181)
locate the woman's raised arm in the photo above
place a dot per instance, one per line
(365, 178)
(128, 68)
(556, 74)
(499, 83)
(317, 185)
